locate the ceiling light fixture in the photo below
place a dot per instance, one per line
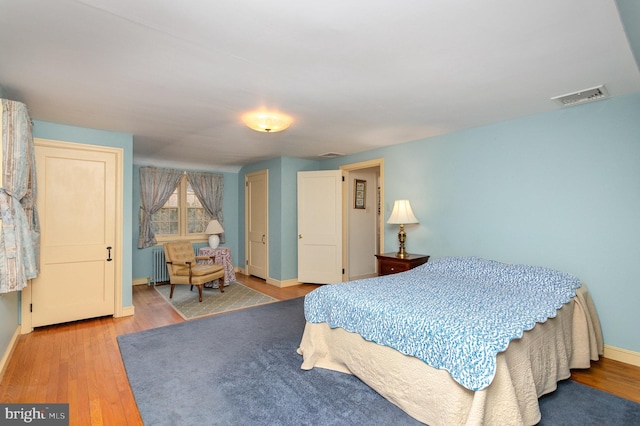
(267, 121)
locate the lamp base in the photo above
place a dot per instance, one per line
(402, 254)
(214, 240)
(402, 237)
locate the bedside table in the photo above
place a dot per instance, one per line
(388, 263)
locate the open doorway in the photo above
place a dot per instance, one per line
(363, 197)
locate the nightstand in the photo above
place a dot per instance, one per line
(388, 263)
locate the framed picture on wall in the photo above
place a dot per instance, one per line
(360, 194)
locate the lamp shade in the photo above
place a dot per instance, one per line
(214, 227)
(402, 213)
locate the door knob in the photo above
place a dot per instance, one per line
(299, 236)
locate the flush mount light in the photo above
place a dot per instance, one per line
(267, 121)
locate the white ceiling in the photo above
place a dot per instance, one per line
(354, 74)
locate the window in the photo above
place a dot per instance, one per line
(182, 216)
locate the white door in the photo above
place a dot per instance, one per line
(77, 206)
(257, 196)
(320, 227)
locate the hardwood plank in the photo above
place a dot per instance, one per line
(611, 376)
(79, 363)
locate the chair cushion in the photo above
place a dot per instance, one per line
(197, 270)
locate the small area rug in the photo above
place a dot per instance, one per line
(241, 368)
(235, 296)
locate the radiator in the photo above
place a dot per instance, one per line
(160, 273)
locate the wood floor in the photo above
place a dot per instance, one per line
(79, 363)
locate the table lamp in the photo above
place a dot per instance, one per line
(214, 229)
(401, 215)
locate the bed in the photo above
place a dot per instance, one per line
(456, 340)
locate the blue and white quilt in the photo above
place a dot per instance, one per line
(453, 313)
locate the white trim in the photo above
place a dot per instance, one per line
(622, 355)
(346, 169)
(140, 281)
(7, 354)
(282, 284)
(127, 311)
(119, 246)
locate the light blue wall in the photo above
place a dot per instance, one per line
(560, 189)
(9, 314)
(283, 216)
(142, 266)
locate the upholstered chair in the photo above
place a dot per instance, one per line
(184, 269)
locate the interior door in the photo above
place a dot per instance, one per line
(257, 196)
(77, 206)
(320, 227)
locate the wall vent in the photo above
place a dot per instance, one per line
(582, 96)
(330, 155)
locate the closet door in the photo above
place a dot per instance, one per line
(78, 208)
(257, 223)
(320, 227)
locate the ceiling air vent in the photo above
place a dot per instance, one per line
(330, 155)
(582, 96)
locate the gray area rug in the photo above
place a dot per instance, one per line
(241, 368)
(235, 296)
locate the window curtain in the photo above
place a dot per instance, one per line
(156, 186)
(20, 233)
(209, 188)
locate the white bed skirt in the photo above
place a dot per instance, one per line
(529, 368)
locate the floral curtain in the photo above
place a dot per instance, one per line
(156, 186)
(20, 233)
(209, 188)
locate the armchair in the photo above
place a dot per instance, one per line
(184, 269)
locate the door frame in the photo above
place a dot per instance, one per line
(25, 312)
(379, 163)
(264, 172)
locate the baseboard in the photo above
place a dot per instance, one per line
(7, 354)
(141, 281)
(622, 355)
(282, 284)
(127, 311)
(273, 282)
